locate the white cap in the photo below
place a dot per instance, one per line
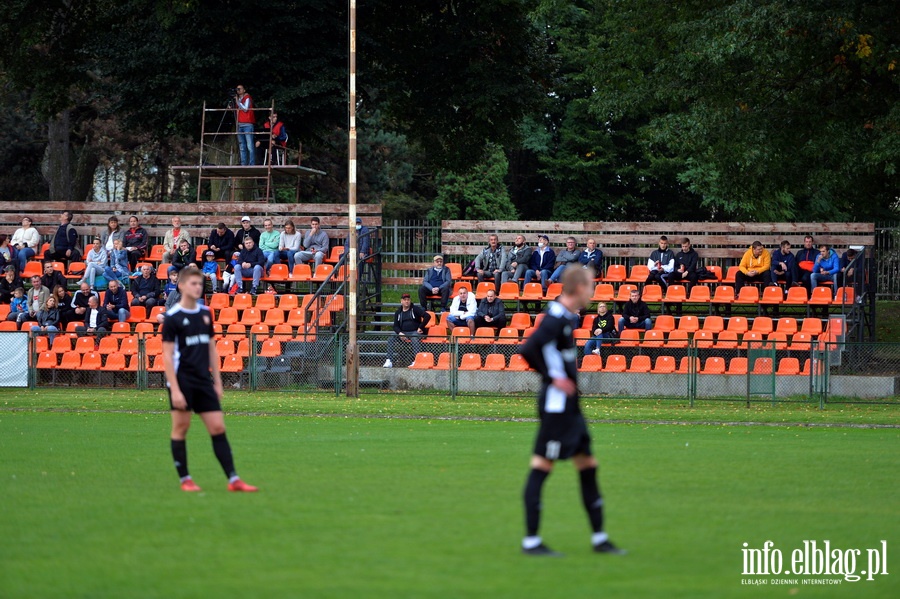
(245, 218)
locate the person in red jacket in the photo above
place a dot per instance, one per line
(279, 139)
(245, 123)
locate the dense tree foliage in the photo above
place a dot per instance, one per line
(716, 109)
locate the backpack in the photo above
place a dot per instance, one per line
(469, 271)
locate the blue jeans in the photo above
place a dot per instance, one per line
(272, 257)
(239, 275)
(110, 274)
(289, 256)
(595, 342)
(529, 277)
(554, 278)
(51, 332)
(817, 278)
(459, 322)
(24, 256)
(123, 314)
(647, 324)
(245, 144)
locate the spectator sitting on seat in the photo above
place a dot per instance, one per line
(210, 271)
(80, 301)
(111, 234)
(18, 306)
(635, 313)
(48, 319)
(517, 260)
(184, 255)
(409, 326)
(289, 244)
(661, 264)
(806, 261)
(96, 318)
(314, 244)
(363, 240)
(52, 277)
(246, 229)
(491, 312)
(96, 263)
(591, 256)
(827, 265)
(229, 285)
(64, 302)
(9, 282)
(64, 242)
(784, 265)
(144, 289)
(686, 265)
(115, 300)
(491, 262)
(269, 243)
(462, 310)
(27, 243)
(437, 281)
(221, 241)
(7, 252)
(755, 267)
(36, 299)
(172, 240)
(568, 255)
(251, 262)
(846, 277)
(541, 263)
(136, 240)
(171, 286)
(118, 268)
(604, 329)
(279, 139)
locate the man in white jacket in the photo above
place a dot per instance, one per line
(462, 310)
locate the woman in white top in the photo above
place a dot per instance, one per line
(27, 242)
(113, 232)
(289, 244)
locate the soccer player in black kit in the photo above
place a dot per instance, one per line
(563, 432)
(194, 380)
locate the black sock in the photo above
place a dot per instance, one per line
(590, 495)
(179, 454)
(222, 449)
(536, 480)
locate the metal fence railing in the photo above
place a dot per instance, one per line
(814, 371)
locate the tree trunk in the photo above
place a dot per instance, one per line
(85, 169)
(57, 168)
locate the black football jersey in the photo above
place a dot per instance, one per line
(192, 332)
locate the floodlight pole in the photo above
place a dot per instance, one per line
(352, 253)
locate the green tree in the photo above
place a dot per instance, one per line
(477, 194)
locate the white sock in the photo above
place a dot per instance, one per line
(185, 478)
(530, 542)
(234, 478)
(599, 538)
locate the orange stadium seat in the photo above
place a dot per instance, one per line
(592, 363)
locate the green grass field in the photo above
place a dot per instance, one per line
(429, 506)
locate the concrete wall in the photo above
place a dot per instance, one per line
(627, 384)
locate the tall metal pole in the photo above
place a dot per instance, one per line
(352, 252)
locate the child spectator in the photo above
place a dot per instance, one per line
(118, 263)
(211, 269)
(228, 279)
(171, 286)
(18, 306)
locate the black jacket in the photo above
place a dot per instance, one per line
(518, 255)
(145, 286)
(606, 323)
(53, 279)
(224, 242)
(239, 235)
(495, 310)
(639, 309)
(102, 318)
(255, 257)
(688, 259)
(411, 320)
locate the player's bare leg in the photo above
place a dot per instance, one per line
(215, 424)
(181, 422)
(532, 544)
(593, 503)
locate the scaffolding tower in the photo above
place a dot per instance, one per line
(219, 172)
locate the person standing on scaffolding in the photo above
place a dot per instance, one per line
(279, 139)
(245, 124)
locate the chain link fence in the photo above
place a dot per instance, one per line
(697, 370)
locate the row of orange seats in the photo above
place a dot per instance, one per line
(119, 362)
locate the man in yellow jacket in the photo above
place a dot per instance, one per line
(755, 267)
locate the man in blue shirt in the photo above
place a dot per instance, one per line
(437, 281)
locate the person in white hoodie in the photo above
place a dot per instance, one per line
(462, 310)
(27, 242)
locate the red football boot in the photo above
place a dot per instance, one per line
(241, 486)
(190, 486)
